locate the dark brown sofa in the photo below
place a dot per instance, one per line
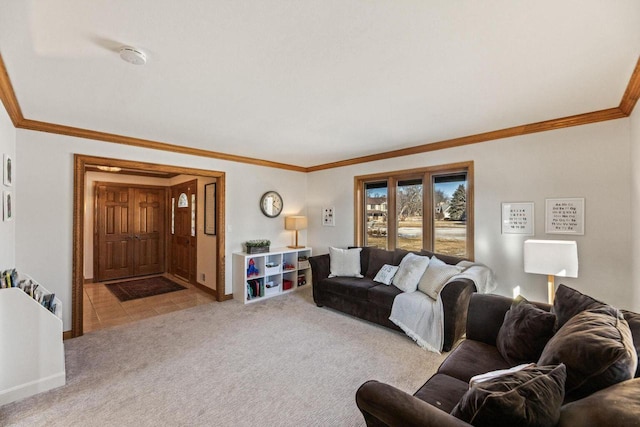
(384, 405)
(372, 301)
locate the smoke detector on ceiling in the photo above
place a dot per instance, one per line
(133, 55)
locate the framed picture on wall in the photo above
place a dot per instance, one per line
(564, 216)
(210, 209)
(8, 170)
(517, 218)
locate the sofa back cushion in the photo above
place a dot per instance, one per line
(377, 258)
(568, 302)
(597, 349)
(633, 319)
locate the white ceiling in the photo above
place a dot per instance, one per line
(309, 82)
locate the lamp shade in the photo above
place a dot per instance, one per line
(551, 257)
(296, 222)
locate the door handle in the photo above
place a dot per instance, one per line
(137, 236)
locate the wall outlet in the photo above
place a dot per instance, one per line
(328, 217)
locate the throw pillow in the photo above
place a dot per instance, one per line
(525, 331)
(436, 276)
(410, 271)
(386, 273)
(529, 397)
(597, 349)
(345, 262)
(568, 302)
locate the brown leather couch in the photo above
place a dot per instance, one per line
(372, 301)
(384, 405)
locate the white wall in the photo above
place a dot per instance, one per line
(8, 228)
(635, 205)
(588, 161)
(45, 227)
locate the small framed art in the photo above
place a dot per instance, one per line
(564, 216)
(8, 170)
(517, 218)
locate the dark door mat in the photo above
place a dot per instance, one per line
(142, 288)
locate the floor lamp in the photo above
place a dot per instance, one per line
(296, 222)
(553, 258)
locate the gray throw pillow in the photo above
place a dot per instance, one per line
(410, 271)
(529, 397)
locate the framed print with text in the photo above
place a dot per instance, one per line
(517, 218)
(564, 216)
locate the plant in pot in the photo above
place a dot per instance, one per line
(258, 246)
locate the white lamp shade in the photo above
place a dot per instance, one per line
(551, 257)
(296, 222)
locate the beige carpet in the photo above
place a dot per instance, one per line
(278, 362)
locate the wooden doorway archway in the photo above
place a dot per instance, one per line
(81, 164)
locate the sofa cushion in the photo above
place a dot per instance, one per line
(568, 302)
(348, 286)
(597, 349)
(617, 405)
(471, 358)
(377, 258)
(529, 397)
(524, 333)
(633, 319)
(383, 295)
(436, 276)
(442, 391)
(410, 270)
(345, 262)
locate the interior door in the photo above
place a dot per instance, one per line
(113, 235)
(184, 236)
(148, 231)
(129, 231)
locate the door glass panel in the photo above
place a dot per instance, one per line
(409, 218)
(450, 214)
(375, 195)
(173, 215)
(193, 215)
(183, 202)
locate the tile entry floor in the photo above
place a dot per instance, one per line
(102, 309)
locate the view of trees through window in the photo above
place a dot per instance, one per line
(445, 226)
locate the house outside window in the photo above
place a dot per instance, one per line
(430, 208)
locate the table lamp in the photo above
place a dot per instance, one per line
(553, 258)
(295, 222)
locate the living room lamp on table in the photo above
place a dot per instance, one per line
(553, 258)
(295, 222)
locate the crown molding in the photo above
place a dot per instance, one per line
(625, 108)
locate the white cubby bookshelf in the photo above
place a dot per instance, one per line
(31, 347)
(273, 273)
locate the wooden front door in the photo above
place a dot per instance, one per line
(129, 231)
(184, 236)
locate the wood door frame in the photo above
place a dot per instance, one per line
(79, 181)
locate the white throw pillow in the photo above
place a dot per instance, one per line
(345, 262)
(385, 274)
(410, 271)
(436, 276)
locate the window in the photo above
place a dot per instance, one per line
(429, 208)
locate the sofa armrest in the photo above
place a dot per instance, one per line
(455, 301)
(320, 269)
(384, 405)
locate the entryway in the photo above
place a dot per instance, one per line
(134, 216)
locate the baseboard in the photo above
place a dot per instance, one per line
(206, 289)
(226, 297)
(89, 280)
(34, 387)
(67, 335)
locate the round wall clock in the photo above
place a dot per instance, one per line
(271, 204)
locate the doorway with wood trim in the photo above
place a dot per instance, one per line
(214, 252)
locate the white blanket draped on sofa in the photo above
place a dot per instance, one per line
(422, 318)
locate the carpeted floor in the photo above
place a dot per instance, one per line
(143, 288)
(281, 361)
